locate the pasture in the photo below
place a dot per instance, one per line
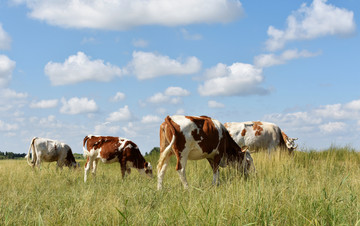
(309, 188)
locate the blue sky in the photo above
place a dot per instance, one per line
(72, 68)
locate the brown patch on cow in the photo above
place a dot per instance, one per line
(257, 128)
(207, 134)
(87, 161)
(243, 132)
(285, 137)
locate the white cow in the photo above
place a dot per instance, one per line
(260, 135)
(43, 149)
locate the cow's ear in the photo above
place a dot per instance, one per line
(146, 164)
(244, 148)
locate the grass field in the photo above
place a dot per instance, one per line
(309, 188)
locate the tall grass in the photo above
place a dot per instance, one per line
(309, 188)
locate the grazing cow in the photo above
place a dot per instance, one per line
(260, 135)
(114, 149)
(47, 150)
(195, 138)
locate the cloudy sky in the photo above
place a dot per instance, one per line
(72, 68)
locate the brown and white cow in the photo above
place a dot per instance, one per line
(195, 138)
(114, 149)
(47, 150)
(259, 135)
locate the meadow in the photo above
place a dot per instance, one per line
(308, 188)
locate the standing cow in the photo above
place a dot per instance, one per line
(195, 138)
(113, 149)
(260, 135)
(47, 150)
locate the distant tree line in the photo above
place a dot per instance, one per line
(11, 155)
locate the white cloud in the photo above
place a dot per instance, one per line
(268, 60)
(11, 94)
(124, 14)
(44, 104)
(5, 39)
(188, 36)
(238, 79)
(172, 95)
(140, 43)
(118, 97)
(123, 114)
(77, 105)
(309, 22)
(215, 104)
(176, 91)
(7, 126)
(107, 129)
(6, 68)
(146, 65)
(333, 127)
(79, 68)
(151, 119)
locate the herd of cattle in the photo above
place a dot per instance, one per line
(186, 137)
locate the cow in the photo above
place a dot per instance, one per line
(195, 138)
(114, 149)
(259, 135)
(47, 150)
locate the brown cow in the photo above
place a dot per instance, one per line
(114, 149)
(195, 138)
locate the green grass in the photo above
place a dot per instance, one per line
(309, 188)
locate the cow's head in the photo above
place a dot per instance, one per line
(290, 144)
(148, 169)
(247, 165)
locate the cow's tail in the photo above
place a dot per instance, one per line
(32, 148)
(167, 151)
(85, 151)
(165, 154)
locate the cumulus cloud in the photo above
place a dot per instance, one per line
(171, 95)
(268, 60)
(176, 91)
(309, 22)
(118, 97)
(123, 114)
(6, 68)
(125, 14)
(77, 105)
(327, 118)
(215, 104)
(11, 94)
(79, 68)
(140, 43)
(5, 39)
(44, 104)
(146, 65)
(239, 79)
(333, 127)
(189, 36)
(6, 127)
(107, 128)
(151, 119)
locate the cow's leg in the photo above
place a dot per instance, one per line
(95, 162)
(161, 172)
(88, 165)
(59, 164)
(123, 169)
(38, 161)
(180, 167)
(215, 167)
